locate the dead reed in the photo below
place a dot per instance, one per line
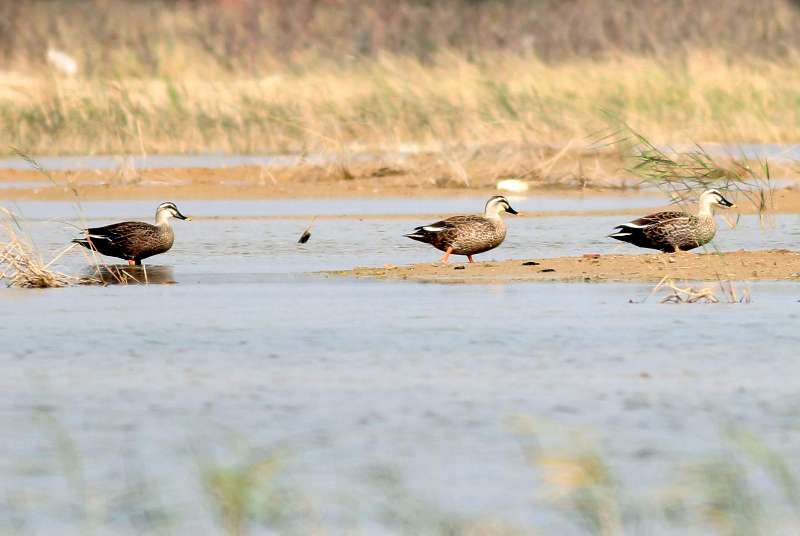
(693, 294)
(22, 266)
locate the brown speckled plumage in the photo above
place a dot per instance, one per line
(673, 231)
(134, 240)
(670, 231)
(130, 240)
(467, 235)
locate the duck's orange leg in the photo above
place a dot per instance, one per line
(447, 254)
(469, 258)
(131, 262)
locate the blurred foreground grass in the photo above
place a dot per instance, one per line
(743, 487)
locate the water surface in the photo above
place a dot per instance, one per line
(249, 350)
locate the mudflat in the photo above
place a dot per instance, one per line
(420, 176)
(779, 264)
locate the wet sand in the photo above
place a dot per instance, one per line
(740, 265)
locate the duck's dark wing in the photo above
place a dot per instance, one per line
(651, 231)
(123, 240)
(653, 219)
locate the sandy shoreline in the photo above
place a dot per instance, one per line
(245, 183)
(737, 265)
(414, 177)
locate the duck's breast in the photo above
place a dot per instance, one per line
(479, 235)
(159, 241)
(697, 232)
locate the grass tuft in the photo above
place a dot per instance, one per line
(22, 266)
(683, 173)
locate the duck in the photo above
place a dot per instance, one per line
(469, 234)
(134, 240)
(675, 231)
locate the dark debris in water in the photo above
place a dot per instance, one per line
(307, 232)
(531, 263)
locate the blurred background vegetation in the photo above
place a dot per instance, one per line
(306, 75)
(254, 37)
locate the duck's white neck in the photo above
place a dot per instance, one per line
(705, 208)
(162, 217)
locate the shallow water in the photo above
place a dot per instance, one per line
(230, 237)
(308, 207)
(348, 377)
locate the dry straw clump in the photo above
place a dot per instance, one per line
(21, 264)
(691, 294)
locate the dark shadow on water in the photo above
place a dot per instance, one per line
(123, 274)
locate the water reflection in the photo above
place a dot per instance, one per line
(123, 274)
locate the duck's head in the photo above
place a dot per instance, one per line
(713, 198)
(168, 210)
(496, 205)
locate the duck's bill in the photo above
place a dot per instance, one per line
(182, 217)
(511, 211)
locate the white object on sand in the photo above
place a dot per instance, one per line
(512, 185)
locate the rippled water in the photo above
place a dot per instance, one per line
(351, 378)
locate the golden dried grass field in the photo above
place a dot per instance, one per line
(391, 102)
(276, 76)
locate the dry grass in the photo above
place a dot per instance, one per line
(691, 294)
(684, 173)
(342, 76)
(22, 266)
(392, 102)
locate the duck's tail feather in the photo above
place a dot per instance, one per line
(89, 238)
(425, 233)
(625, 232)
(619, 234)
(419, 237)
